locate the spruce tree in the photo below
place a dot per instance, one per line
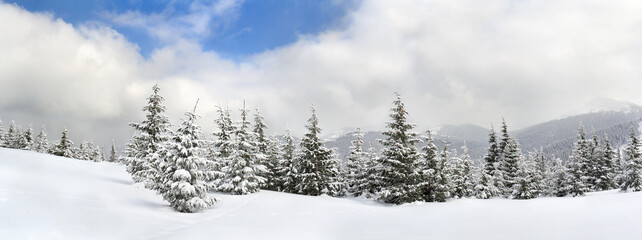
(509, 166)
(184, 175)
(318, 169)
(64, 148)
(41, 144)
(150, 133)
(526, 186)
(2, 135)
(357, 167)
(605, 178)
(579, 163)
(541, 172)
(14, 136)
(399, 159)
(486, 187)
(113, 156)
(274, 166)
(262, 144)
(462, 179)
(632, 175)
(288, 173)
(244, 173)
(431, 186)
(223, 143)
(491, 158)
(562, 183)
(26, 141)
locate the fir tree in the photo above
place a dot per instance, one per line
(318, 169)
(430, 186)
(605, 169)
(541, 172)
(509, 166)
(244, 173)
(562, 183)
(579, 164)
(288, 173)
(41, 144)
(274, 166)
(223, 143)
(462, 178)
(632, 178)
(26, 141)
(64, 148)
(262, 145)
(526, 186)
(491, 158)
(486, 187)
(2, 134)
(14, 136)
(151, 132)
(399, 159)
(505, 140)
(357, 167)
(184, 175)
(113, 156)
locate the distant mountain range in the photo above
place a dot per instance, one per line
(555, 137)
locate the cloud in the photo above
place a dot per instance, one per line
(455, 61)
(202, 19)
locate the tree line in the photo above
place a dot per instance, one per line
(184, 165)
(18, 138)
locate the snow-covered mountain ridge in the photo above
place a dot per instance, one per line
(48, 197)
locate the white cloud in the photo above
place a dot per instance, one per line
(455, 61)
(202, 20)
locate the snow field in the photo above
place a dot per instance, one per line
(49, 197)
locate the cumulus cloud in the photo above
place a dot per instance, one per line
(455, 61)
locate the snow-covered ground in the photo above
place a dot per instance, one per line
(48, 197)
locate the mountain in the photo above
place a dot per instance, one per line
(555, 137)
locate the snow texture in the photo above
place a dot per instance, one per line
(49, 197)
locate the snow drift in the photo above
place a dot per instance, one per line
(48, 197)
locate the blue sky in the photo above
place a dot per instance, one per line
(253, 27)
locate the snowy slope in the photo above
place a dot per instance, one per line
(47, 197)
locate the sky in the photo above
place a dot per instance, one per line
(89, 65)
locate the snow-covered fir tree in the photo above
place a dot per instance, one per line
(431, 186)
(223, 144)
(526, 186)
(462, 183)
(2, 134)
(27, 139)
(357, 167)
(579, 164)
(150, 133)
(372, 167)
(631, 178)
(288, 173)
(492, 156)
(541, 172)
(606, 168)
(262, 145)
(318, 169)
(561, 181)
(399, 159)
(113, 156)
(509, 166)
(184, 174)
(485, 187)
(14, 136)
(244, 173)
(273, 164)
(41, 144)
(64, 147)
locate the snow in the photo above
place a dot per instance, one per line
(48, 197)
